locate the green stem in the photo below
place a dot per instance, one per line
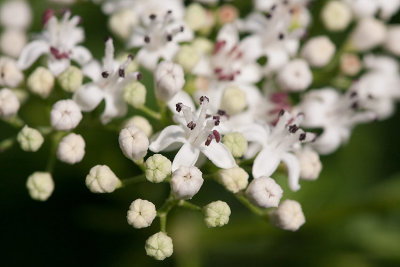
(162, 213)
(7, 143)
(251, 207)
(15, 122)
(150, 113)
(140, 164)
(188, 205)
(133, 180)
(55, 139)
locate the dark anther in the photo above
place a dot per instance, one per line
(152, 16)
(179, 107)
(268, 15)
(221, 112)
(147, 39)
(281, 36)
(107, 38)
(293, 128)
(105, 74)
(302, 137)
(217, 136)
(281, 112)
(353, 94)
(182, 28)
(130, 56)
(191, 125)
(273, 7)
(169, 37)
(202, 98)
(216, 120)
(169, 12)
(354, 105)
(121, 73)
(139, 76)
(285, 2)
(370, 96)
(209, 139)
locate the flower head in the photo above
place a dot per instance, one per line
(30, 139)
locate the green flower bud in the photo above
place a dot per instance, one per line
(41, 82)
(135, 94)
(158, 168)
(30, 139)
(71, 79)
(203, 45)
(187, 57)
(234, 179)
(216, 213)
(236, 143)
(233, 100)
(141, 122)
(40, 185)
(159, 246)
(196, 16)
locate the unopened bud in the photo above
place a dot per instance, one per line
(236, 143)
(71, 79)
(40, 185)
(158, 168)
(141, 213)
(135, 94)
(133, 143)
(233, 100)
(216, 213)
(41, 82)
(234, 179)
(159, 246)
(101, 179)
(169, 79)
(30, 139)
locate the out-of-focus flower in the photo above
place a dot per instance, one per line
(41, 82)
(40, 185)
(350, 64)
(186, 182)
(169, 79)
(295, 76)
(368, 34)
(122, 22)
(10, 75)
(234, 179)
(318, 51)
(12, 42)
(310, 164)
(227, 14)
(392, 43)
(264, 192)
(135, 94)
(9, 103)
(16, 14)
(30, 139)
(71, 79)
(336, 15)
(196, 16)
(288, 216)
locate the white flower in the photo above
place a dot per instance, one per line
(276, 145)
(392, 43)
(108, 84)
(141, 213)
(71, 79)
(101, 179)
(135, 94)
(236, 143)
(71, 149)
(30, 139)
(40, 185)
(41, 82)
(9, 104)
(264, 192)
(197, 135)
(336, 15)
(318, 51)
(15, 14)
(310, 164)
(288, 216)
(169, 80)
(12, 42)
(65, 115)
(368, 8)
(295, 76)
(234, 179)
(159, 246)
(350, 64)
(59, 42)
(158, 168)
(368, 34)
(133, 143)
(121, 23)
(142, 123)
(10, 75)
(186, 182)
(216, 214)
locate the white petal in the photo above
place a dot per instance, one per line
(168, 51)
(115, 107)
(180, 97)
(219, 154)
(88, 97)
(168, 136)
(250, 73)
(229, 34)
(58, 66)
(328, 141)
(203, 67)
(252, 150)
(252, 47)
(147, 58)
(31, 53)
(293, 167)
(186, 156)
(81, 55)
(92, 70)
(266, 162)
(277, 58)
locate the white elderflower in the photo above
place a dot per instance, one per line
(121, 23)
(40, 185)
(318, 51)
(234, 179)
(233, 100)
(71, 79)
(141, 213)
(186, 182)
(197, 135)
(216, 214)
(310, 164)
(108, 84)
(236, 143)
(135, 94)
(59, 42)
(12, 42)
(264, 192)
(350, 64)
(65, 115)
(295, 76)
(142, 123)
(101, 179)
(41, 82)
(30, 139)
(10, 75)
(159, 246)
(15, 14)
(336, 15)
(9, 104)
(133, 143)
(158, 168)
(288, 216)
(169, 79)
(392, 42)
(368, 34)
(71, 149)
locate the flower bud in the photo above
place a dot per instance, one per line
(40, 185)
(234, 179)
(236, 143)
(336, 16)
(233, 100)
(9, 104)
(71, 149)
(310, 164)
(295, 76)
(264, 192)
(158, 168)
(288, 216)
(122, 22)
(186, 182)
(133, 143)
(41, 82)
(65, 115)
(30, 139)
(227, 14)
(15, 14)
(71, 79)
(392, 42)
(216, 214)
(10, 76)
(195, 16)
(12, 42)
(350, 64)
(141, 213)
(169, 79)
(101, 179)
(141, 122)
(187, 57)
(203, 45)
(159, 246)
(135, 94)
(368, 34)
(318, 51)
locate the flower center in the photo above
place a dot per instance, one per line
(226, 62)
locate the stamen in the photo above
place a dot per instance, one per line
(293, 128)
(354, 105)
(139, 76)
(121, 73)
(203, 98)
(302, 137)
(216, 120)
(222, 112)
(191, 125)
(281, 112)
(179, 107)
(217, 136)
(281, 36)
(209, 139)
(147, 39)
(152, 16)
(353, 94)
(47, 15)
(169, 37)
(105, 74)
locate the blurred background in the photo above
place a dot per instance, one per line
(352, 210)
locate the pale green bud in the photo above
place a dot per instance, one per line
(234, 179)
(187, 57)
(196, 16)
(41, 82)
(30, 139)
(122, 22)
(216, 213)
(236, 143)
(135, 94)
(141, 213)
(158, 168)
(141, 122)
(101, 179)
(159, 246)
(203, 45)
(233, 100)
(40, 185)
(71, 79)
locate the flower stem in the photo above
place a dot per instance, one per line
(162, 213)
(133, 180)
(188, 205)
(55, 139)
(140, 164)
(15, 122)
(150, 113)
(251, 207)
(7, 143)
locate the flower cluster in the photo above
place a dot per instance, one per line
(233, 109)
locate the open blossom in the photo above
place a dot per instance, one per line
(108, 84)
(197, 134)
(59, 41)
